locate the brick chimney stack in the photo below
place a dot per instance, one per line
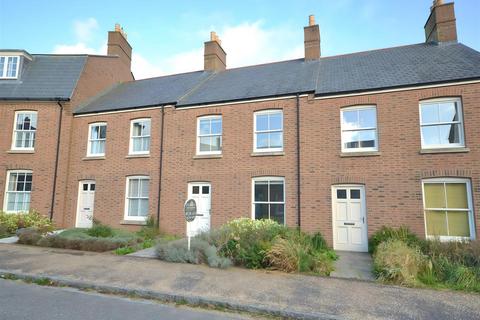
(215, 58)
(119, 46)
(312, 39)
(441, 24)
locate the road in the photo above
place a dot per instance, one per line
(22, 301)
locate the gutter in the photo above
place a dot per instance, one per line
(299, 209)
(57, 155)
(34, 99)
(160, 167)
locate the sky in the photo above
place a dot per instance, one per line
(167, 36)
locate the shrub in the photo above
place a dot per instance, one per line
(3, 231)
(29, 236)
(91, 244)
(387, 233)
(100, 230)
(200, 252)
(124, 250)
(13, 222)
(150, 231)
(397, 262)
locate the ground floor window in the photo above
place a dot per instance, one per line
(136, 203)
(17, 191)
(269, 198)
(448, 208)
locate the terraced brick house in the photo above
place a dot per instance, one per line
(341, 144)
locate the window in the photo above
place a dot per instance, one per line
(24, 130)
(136, 203)
(359, 129)
(209, 135)
(441, 123)
(448, 208)
(140, 136)
(268, 135)
(17, 191)
(269, 199)
(97, 135)
(9, 67)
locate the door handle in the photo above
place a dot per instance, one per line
(363, 220)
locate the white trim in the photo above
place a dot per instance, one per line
(14, 130)
(7, 182)
(200, 118)
(119, 111)
(456, 100)
(364, 209)
(470, 209)
(135, 218)
(359, 149)
(5, 66)
(365, 93)
(80, 183)
(130, 146)
(89, 142)
(255, 132)
(269, 179)
(240, 102)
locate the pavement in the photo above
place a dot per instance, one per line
(354, 265)
(281, 294)
(51, 303)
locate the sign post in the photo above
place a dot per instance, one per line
(190, 210)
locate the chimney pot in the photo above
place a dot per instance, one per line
(311, 20)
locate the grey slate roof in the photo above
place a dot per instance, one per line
(377, 69)
(46, 77)
(396, 67)
(147, 92)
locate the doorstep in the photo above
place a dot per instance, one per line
(353, 265)
(145, 253)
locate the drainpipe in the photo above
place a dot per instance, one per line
(299, 210)
(57, 155)
(160, 168)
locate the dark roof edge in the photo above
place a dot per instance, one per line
(76, 113)
(180, 106)
(366, 91)
(34, 99)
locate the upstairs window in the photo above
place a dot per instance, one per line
(9, 67)
(140, 136)
(268, 135)
(441, 123)
(97, 135)
(24, 130)
(17, 191)
(359, 129)
(209, 135)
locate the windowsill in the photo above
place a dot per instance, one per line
(445, 150)
(134, 222)
(360, 154)
(94, 158)
(267, 154)
(21, 151)
(208, 156)
(130, 156)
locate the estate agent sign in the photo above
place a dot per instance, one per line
(190, 210)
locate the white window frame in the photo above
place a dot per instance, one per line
(127, 198)
(471, 221)
(130, 148)
(342, 129)
(209, 135)
(3, 75)
(89, 144)
(269, 179)
(255, 132)
(461, 144)
(14, 131)
(5, 196)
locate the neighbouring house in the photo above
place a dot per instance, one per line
(342, 144)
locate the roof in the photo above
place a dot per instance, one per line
(417, 64)
(46, 77)
(412, 65)
(142, 93)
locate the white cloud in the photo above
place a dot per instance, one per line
(247, 43)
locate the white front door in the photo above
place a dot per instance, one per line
(349, 218)
(86, 200)
(201, 193)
